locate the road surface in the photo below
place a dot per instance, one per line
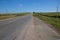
(26, 28)
(9, 29)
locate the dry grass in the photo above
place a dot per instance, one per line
(5, 16)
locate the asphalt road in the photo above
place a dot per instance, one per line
(10, 28)
(26, 28)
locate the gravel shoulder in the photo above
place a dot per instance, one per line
(44, 32)
(30, 33)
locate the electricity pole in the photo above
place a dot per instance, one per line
(57, 5)
(57, 10)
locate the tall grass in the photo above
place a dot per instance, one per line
(48, 18)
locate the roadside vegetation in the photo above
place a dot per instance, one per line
(49, 17)
(11, 15)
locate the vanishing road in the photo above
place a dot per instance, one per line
(26, 28)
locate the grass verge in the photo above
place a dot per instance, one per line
(47, 18)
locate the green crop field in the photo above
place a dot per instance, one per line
(50, 17)
(51, 14)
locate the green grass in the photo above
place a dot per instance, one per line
(47, 18)
(52, 13)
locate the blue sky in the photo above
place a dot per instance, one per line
(28, 6)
